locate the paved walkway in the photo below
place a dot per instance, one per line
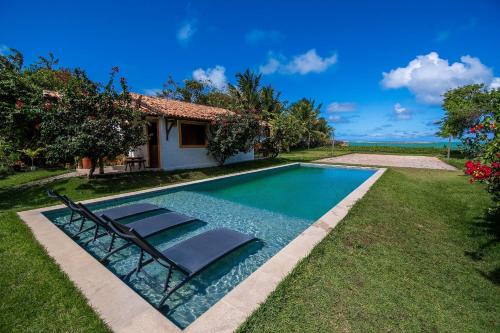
(421, 162)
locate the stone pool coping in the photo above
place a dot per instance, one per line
(123, 310)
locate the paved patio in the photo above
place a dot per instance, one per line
(420, 162)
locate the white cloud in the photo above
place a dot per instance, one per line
(214, 77)
(186, 31)
(429, 76)
(401, 113)
(495, 84)
(342, 119)
(341, 107)
(309, 62)
(257, 36)
(272, 66)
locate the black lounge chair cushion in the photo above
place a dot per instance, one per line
(154, 224)
(196, 253)
(128, 210)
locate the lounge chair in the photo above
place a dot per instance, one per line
(189, 257)
(146, 227)
(116, 213)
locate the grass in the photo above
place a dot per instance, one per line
(415, 254)
(24, 177)
(35, 296)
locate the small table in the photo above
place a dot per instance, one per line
(131, 161)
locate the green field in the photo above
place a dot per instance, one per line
(415, 254)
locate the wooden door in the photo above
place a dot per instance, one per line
(153, 145)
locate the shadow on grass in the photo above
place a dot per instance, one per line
(80, 188)
(487, 230)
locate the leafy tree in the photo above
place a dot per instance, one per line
(20, 99)
(92, 121)
(482, 141)
(193, 91)
(285, 132)
(231, 134)
(462, 107)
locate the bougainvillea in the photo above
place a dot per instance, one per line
(485, 137)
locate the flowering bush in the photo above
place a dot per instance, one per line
(485, 168)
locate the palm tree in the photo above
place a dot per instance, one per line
(32, 154)
(306, 111)
(270, 103)
(247, 92)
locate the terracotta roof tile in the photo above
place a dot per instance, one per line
(176, 109)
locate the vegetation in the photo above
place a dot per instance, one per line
(386, 267)
(233, 134)
(62, 114)
(92, 121)
(289, 126)
(22, 178)
(473, 112)
(397, 263)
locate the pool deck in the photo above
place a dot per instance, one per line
(124, 310)
(406, 161)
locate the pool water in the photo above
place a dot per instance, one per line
(273, 205)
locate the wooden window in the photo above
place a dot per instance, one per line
(192, 135)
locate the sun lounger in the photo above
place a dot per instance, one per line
(189, 257)
(146, 227)
(116, 213)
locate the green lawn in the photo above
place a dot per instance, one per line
(24, 177)
(415, 254)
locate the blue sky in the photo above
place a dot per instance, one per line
(334, 52)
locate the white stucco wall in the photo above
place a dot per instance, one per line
(172, 156)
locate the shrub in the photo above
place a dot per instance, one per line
(231, 134)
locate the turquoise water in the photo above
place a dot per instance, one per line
(273, 205)
(454, 145)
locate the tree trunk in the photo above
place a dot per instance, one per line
(92, 168)
(101, 165)
(309, 140)
(449, 148)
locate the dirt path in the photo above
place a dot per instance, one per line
(421, 162)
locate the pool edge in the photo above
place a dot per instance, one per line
(236, 306)
(104, 290)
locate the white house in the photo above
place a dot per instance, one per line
(177, 134)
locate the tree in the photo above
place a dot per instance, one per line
(92, 121)
(22, 104)
(246, 93)
(483, 139)
(193, 91)
(270, 103)
(285, 131)
(462, 108)
(316, 129)
(32, 154)
(231, 134)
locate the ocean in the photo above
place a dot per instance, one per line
(442, 144)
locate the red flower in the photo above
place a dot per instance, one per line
(19, 104)
(472, 130)
(480, 126)
(495, 165)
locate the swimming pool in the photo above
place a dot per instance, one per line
(274, 205)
